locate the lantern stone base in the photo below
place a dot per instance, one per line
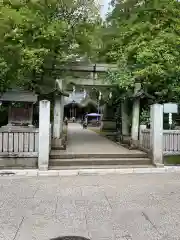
(108, 125)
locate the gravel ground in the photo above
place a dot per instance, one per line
(122, 207)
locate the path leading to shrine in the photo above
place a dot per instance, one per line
(87, 149)
(86, 141)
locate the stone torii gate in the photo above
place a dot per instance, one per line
(108, 122)
(86, 83)
(59, 93)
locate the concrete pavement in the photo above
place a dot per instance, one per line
(86, 141)
(117, 207)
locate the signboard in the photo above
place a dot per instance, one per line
(170, 108)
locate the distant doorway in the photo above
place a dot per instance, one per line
(77, 111)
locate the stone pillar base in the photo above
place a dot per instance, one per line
(43, 168)
(159, 165)
(108, 125)
(56, 143)
(133, 144)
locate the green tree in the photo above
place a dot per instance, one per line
(145, 40)
(39, 34)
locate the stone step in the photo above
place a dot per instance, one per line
(61, 147)
(99, 161)
(55, 154)
(100, 167)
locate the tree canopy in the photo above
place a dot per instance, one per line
(143, 37)
(37, 33)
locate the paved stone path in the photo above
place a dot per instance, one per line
(86, 141)
(111, 207)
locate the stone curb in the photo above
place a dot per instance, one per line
(84, 172)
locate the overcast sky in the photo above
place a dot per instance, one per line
(104, 9)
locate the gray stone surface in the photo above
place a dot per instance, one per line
(16, 162)
(122, 207)
(86, 141)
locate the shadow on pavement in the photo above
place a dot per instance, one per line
(70, 238)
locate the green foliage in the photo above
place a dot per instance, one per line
(124, 78)
(35, 34)
(172, 160)
(144, 40)
(145, 117)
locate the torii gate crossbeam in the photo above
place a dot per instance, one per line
(93, 68)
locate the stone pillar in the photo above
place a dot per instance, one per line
(9, 115)
(93, 75)
(135, 121)
(44, 135)
(125, 118)
(62, 114)
(157, 134)
(108, 123)
(31, 115)
(141, 128)
(151, 114)
(135, 116)
(58, 116)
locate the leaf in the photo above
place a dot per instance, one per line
(145, 42)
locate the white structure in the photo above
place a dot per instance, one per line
(157, 134)
(151, 140)
(44, 135)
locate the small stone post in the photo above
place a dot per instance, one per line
(44, 132)
(135, 116)
(57, 117)
(62, 114)
(141, 128)
(157, 134)
(125, 118)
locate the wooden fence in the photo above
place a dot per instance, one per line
(19, 143)
(145, 139)
(171, 141)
